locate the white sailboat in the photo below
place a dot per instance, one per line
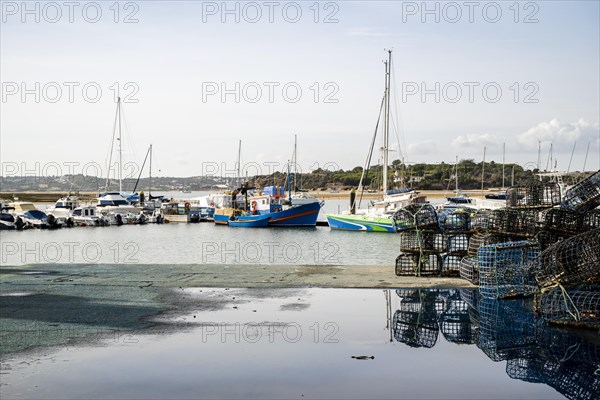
(114, 205)
(377, 218)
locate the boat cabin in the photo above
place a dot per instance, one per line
(68, 202)
(84, 212)
(112, 199)
(20, 207)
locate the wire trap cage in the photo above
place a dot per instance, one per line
(558, 220)
(571, 262)
(514, 222)
(507, 269)
(422, 241)
(585, 195)
(571, 307)
(454, 321)
(591, 220)
(458, 244)
(455, 221)
(420, 216)
(451, 265)
(480, 220)
(534, 370)
(506, 329)
(558, 344)
(577, 381)
(469, 269)
(415, 323)
(417, 264)
(534, 194)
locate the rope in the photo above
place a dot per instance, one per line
(576, 316)
(576, 348)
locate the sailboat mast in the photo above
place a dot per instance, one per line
(112, 146)
(150, 174)
(586, 155)
(482, 172)
(120, 147)
(386, 129)
(503, 154)
(456, 176)
(295, 161)
(512, 176)
(239, 166)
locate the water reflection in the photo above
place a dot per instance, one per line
(567, 360)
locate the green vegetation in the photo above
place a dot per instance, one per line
(419, 176)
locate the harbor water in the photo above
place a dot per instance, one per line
(313, 343)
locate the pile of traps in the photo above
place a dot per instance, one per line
(539, 244)
(431, 244)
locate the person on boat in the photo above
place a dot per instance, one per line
(254, 212)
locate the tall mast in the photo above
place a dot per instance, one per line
(512, 176)
(482, 172)
(150, 175)
(503, 154)
(539, 163)
(456, 176)
(295, 161)
(386, 128)
(586, 156)
(239, 165)
(112, 146)
(120, 147)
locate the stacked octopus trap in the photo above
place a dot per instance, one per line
(541, 244)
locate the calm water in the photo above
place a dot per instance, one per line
(299, 344)
(200, 243)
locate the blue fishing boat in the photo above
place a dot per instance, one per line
(248, 221)
(284, 212)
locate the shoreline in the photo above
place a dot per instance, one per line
(51, 197)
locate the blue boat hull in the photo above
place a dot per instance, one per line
(249, 221)
(301, 215)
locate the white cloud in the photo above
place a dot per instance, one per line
(473, 140)
(424, 147)
(559, 133)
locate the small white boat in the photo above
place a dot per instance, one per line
(7, 220)
(30, 215)
(116, 208)
(86, 216)
(63, 208)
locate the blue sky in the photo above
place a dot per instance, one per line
(178, 50)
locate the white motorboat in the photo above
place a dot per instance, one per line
(63, 208)
(30, 215)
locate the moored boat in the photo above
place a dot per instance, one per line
(379, 216)
(248, 221)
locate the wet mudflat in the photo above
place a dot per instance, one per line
(316, 343)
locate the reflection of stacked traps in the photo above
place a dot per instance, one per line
(505, 330)
(539, 244)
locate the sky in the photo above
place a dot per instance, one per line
(197, 77)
